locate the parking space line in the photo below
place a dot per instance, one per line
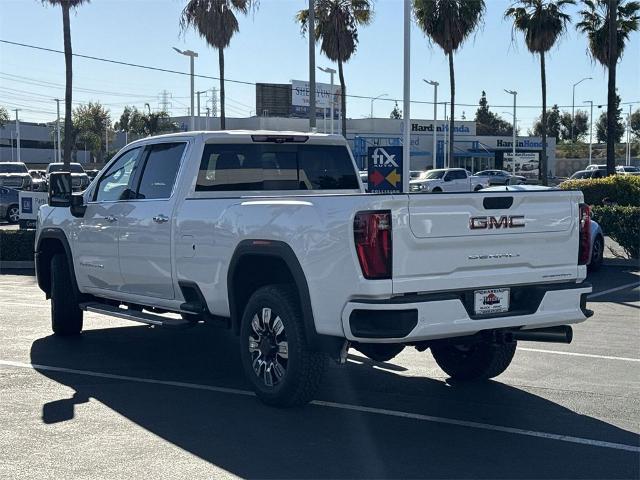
(342, 406)
(575, 354)
(611, 290)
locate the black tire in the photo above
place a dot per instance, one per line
(597, 254)
(293, 370)
(380, 352)
(66, 316)
(478, 188)
(13, 214)
(479, 361)
(437, 190)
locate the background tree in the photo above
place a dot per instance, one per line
(448, 23)
(608, 24)
(141, 124)
(489, 123)
(580, 125)
(602, 126)
(4, 116)
(336, 30)
(91, 122)
(634, 124)
(552, 119)
(216, 22)
(66, 6)
(542, 22)
(396, 113)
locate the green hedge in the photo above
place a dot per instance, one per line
(622, 224)
(17, 245)
(616, 189)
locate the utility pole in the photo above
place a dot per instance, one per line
(106, 140)
(628, 137)
(435, 117)
(590, 102)
(198, 104)
(17, 134)
(446, 138)
(515, 122)
(59, 155)
(214, 102)
(406, 98)
(312, 64)
(206, 123)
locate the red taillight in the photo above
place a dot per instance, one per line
(372, 235)
(584, 252)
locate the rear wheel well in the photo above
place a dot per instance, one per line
(252, 272)
(47, 249)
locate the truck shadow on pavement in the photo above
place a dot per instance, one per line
(239, 434)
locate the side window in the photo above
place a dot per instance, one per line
(116, 182)
(456, 175)
(160, 170)
(326, 168)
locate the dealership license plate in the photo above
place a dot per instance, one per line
(491, 300)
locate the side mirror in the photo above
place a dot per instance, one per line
(78, 207)
(60, 189)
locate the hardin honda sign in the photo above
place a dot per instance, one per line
(442, 127)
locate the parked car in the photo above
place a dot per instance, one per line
(627, 170)
(39, 181)
(596, 167)
(79, 178)
(593, 173)
(270, 235)
(9, 205)
(92, 174)
(448, 180)
(501, 177)
(15, 175)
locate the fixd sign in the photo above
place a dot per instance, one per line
(490, 222)
(384, 169)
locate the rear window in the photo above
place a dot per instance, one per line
(256, 167)
(13, 168)
(59, 167)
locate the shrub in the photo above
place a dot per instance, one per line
(616, 189)
(17, 245)
(622, 224)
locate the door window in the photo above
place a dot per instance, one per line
(116, 183)
(160, 170)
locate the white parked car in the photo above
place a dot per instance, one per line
(448, 180)
(271, 235)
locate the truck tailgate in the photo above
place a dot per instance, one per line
(459, 240)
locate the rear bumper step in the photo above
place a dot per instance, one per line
(134, 315)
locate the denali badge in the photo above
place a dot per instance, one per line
(505, 221)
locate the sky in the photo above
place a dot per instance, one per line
(270, 48)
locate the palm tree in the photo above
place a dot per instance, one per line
(66, 6)
(216, 22)
(336, 29)
(542, 22)
(448, 23)
(606, 46)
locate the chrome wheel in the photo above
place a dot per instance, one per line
(13, 215)
(268, 347)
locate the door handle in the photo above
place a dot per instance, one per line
(110, 218)
(161, 218)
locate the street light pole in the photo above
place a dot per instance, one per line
(515, 119)
(331, 72)
(628, 137)
(59, 155)
(406, 97)
(192, 55)
(573, 102)
(590, 102)
(312, 64)
(17, 134)
(435, 118)
(446, 139)
(376, 98)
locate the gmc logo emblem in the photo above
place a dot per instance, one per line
(505, 221)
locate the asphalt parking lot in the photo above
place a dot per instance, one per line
(128, 401)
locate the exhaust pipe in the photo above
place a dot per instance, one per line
(560, 334)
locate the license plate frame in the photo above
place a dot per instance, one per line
(490, 301)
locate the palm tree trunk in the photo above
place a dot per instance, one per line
(68, 58)
(343, 99)
(223, 120)
(611, 88)
(543, 154)
(452, 81)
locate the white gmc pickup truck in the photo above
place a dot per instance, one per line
(270, 234)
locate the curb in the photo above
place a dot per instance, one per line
(17, 265)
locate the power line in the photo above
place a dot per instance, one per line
(242, 82)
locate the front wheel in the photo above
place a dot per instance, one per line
(276, 358)
(13, 214)
(478, 361)
(478, 188)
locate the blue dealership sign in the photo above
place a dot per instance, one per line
(384, 169)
